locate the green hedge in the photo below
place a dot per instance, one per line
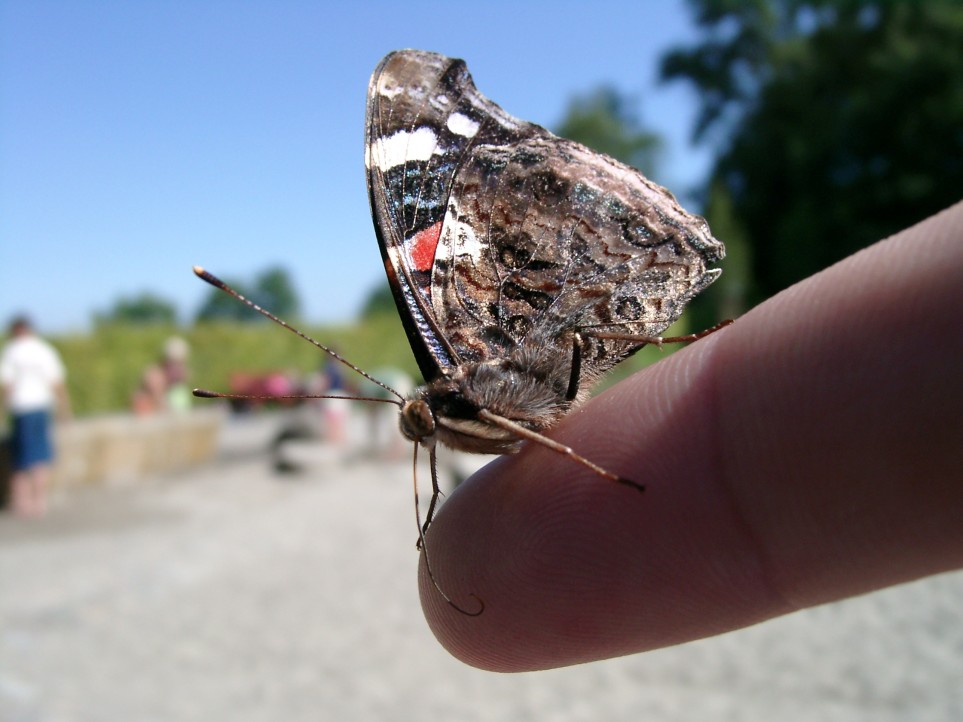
(105, 367)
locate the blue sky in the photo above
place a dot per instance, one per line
(140, 138)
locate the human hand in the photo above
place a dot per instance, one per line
(809, 452)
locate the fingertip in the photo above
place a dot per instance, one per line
(779, 475)
(573, 567)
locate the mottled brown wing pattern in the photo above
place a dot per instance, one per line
(496, 232)
(543, 233)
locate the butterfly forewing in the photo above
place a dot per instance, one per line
(412, 158)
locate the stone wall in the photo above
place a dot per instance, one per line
(123, 448)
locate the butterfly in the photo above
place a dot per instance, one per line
(523, 265)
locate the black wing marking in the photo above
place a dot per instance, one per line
(412, 152)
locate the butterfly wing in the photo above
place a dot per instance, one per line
(497, 233)
(559, 238)
(412, 156)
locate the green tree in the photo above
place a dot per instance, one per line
(219, 306)
(728, 296)
(605, 121)
(272, 289)
(379, 302)
(146, 308)
(836, 123)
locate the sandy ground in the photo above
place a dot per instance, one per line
(230, 593)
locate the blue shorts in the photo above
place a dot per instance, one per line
(30, 440)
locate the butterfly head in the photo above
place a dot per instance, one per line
(417, 421)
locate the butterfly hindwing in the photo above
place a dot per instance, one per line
(497, 233)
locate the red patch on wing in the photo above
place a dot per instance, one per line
(422, 246)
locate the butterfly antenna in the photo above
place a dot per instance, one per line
(218, 283)
(208, 394)
(423, 546)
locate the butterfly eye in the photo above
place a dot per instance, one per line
(417, 421)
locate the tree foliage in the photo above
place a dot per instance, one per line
(837, 123)
(272, 289)
(275, 291)
(379, 302)
(605, 121)
(145, 308)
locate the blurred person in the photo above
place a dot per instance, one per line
(383, 436)
(163, 386)
(174, 366)
(334, 411)
(32, 376)
(151, 395)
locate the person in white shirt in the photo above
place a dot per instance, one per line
(32, 376)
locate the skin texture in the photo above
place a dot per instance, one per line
(807, 453)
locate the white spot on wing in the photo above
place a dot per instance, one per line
(389, 91)
(404, 146)
(459, 237)
(460, 124)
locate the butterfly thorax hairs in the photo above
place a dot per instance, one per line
(528, 388)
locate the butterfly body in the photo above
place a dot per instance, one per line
(527, 386)
(524, 265)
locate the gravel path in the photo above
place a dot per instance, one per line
(232, 594)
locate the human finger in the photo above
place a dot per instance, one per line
(802, 455)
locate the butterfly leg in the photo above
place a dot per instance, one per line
(421, 533)
(655, 340)
(435, 495)
(576, 367)
(526, 433)
(578, 340)
(435, 491)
